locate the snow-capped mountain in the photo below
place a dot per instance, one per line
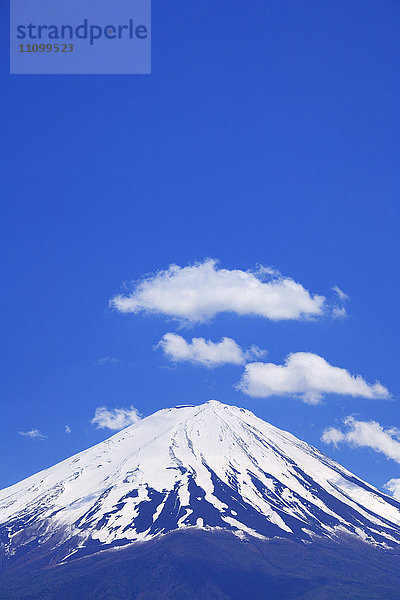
(208, 467)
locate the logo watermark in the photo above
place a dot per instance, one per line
(80, 37)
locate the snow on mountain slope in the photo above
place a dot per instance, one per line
(208, 466)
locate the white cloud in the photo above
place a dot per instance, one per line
(198, 292)
(393, 485)
(367, 434)
(67, 429)
(115, 418)
(34, 434)
(206, 352)
(306, 375)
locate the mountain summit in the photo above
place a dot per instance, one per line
(211, 467)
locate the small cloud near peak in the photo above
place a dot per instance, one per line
(115, 418)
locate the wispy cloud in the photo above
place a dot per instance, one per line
(196, 293)
(107, 359)
(205, 352)
(308, 376)
(115, 418)
(339, 311)
(34, 434)
(342, 295)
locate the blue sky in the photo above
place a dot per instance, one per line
(266, 134)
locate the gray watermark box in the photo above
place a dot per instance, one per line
(80, 37)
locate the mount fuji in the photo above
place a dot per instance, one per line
(204, 473)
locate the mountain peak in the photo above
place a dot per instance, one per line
(211, 466)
